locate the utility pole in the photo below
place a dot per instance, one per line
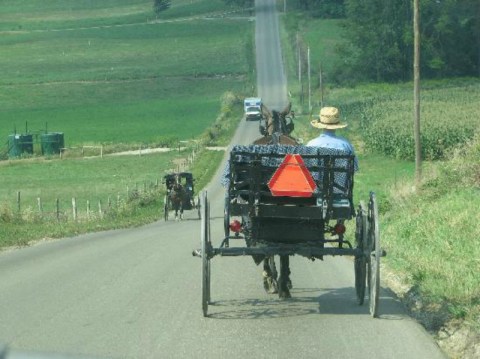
(416, 95)
(320, 79)
(299, 54)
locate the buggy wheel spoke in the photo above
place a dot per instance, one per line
(199, 208)
(226, 217)
(360, 263)
(375, 254)
(165, 208)
(206, 248)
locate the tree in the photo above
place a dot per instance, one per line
(240, 3)
(161, 5)
(374, 32)
(379, 39)
(324, 8)
(451, 37)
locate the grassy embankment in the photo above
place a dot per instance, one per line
(430, 233)
(134, 84)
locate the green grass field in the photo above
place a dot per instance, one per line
(47, 15)
(131, 83)
(321, 36)
(90, 178)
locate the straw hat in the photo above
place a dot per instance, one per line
(329, 119)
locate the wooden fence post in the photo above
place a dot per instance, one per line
(100, 212)
(39, 205)
(74, 208)
(88, 209)
(18, 202)
(57, 208)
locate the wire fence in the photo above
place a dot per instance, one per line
(84, 210)
(73, 209)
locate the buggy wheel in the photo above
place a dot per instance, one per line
(360, 264)
(206, 253)
(165, 208)
(375, 254)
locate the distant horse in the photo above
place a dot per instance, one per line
(276, 128)
(177, 196)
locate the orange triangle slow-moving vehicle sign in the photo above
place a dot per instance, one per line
(292, 178)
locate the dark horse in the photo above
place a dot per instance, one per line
(176, 196)
(276, 128)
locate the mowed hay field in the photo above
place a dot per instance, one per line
(110, 72)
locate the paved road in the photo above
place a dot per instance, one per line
(136, 294)
(271, 79)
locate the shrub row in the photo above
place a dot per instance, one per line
(224, 123)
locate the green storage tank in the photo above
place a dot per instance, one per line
(19, 144)
(52, 143)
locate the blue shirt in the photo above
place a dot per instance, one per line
(328, 139)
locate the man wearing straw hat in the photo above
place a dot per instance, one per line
(329, 121)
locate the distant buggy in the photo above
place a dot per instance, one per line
(180, 194)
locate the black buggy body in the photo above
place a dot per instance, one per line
(288, 215)
(186, 181)
(294, 200)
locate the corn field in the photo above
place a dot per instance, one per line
(449, 117)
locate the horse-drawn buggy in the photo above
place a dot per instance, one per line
(180, 194)
(289, 199)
